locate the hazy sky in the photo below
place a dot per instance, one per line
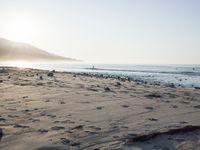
(107, 31)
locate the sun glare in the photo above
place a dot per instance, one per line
(20, 28)
(21, 64)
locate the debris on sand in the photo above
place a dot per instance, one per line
(171, 85)
(41, 78)
(42, 130)
(107, 89)
(2, 119)
(20, 126)
(92, 89)
(77, 127)
(50, 74)
(149, 107)
(65, 141)
(153, 95)
(62, 102)
(99, 107)
(153, 119)
(118, 84)
(58, 128)
(125, 106)
(25, 97)
(1, 133)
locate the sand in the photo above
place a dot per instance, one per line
(68, 111)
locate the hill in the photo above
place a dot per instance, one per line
(10, 50)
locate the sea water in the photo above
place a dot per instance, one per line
(179, 75)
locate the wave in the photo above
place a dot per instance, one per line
(190, 73)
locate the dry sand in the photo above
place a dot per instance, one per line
(67, 111)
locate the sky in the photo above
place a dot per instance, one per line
(107, 31)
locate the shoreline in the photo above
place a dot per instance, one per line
(42, 110)
(116, 77)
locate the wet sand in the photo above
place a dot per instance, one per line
(42, 110)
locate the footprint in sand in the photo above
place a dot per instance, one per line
(149, 108)
(47, 100)
(62, 102)
(183, 122)
(74, 144)
(57, 128)
(147, 125)
(174, 106)
(125, 106)
(115, 137)
(153, 119)
(65, 141)
(43, 131)
(25, 97)
(197, 106)
(68, 121)
(131, 135)
(26, 110)
(124, 127)
(153, 95)
(56, 121)
(185, 102)
(34, 120)
(2, 119)
(51, 116)
(85, 102)
(20, 126)
(107, 89)
(92, 89)
(91, 132)
(11, 109)
(78, 127)
(99, 107)
(13, 116)
(94, 128)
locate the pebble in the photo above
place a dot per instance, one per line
(50, 74)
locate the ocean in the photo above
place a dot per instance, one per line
(179, 75)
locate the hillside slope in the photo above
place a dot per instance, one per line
(10, 50)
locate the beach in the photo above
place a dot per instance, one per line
(46, 110)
